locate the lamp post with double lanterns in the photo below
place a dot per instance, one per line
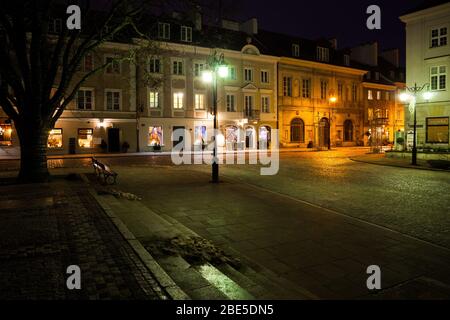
(410, 95)
(217, 68)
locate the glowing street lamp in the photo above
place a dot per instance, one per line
(218, 68)
(411, 98)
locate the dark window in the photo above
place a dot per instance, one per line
(348, 130)
(297, 130)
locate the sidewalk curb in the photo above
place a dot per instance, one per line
(397, 166)
(157, 154)
(164, 280)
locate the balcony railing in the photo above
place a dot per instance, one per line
(251, 114)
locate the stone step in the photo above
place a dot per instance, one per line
(189, 279)
(256, 280)
(199, 282)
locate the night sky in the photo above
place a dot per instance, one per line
(341, 19)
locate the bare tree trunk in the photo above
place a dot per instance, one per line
(33, 149)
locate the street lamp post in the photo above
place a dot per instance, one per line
(333, 100)
(218, 68)
(411, 98)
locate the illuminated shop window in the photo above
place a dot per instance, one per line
(437, 130)
(155, 136)
(85, 138)
(55, 139)
(5, 135)
(200, 134)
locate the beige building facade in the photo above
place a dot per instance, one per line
(319, 104)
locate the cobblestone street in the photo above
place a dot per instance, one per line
(44, 228)
(319, 223)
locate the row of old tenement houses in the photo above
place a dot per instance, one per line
(314, 94)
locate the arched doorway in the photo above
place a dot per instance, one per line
(297, 130)
(250, 138)
(231, 137)
(264, 136)
(324, 132)
(348, 130)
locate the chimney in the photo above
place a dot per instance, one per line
(392, 55)
(250, 27)
(366, 54)
(230, 25)
(198, 18)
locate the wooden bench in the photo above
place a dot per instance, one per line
(104, 172)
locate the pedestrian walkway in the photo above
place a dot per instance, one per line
(383, 160)
(15, 155)
(44, 228)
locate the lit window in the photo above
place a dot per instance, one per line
(164, 30)
(369, 95)
(248, 74)
(5, 135)
(438, 37)
(178, 100)
(177, 67)
(230, 103)
(265, 106)
(154, 99)
(199, 101)
(55, 139)
(378, 95)
(438, 79)
(155, 65)
(155, 136)
(113, 100)
(113, 65)
(186, 34)
(85, 99)
(85, 138)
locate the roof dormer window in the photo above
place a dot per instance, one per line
(163, 30)
(346, 60)
(323, 54)
(186, 34)
(296, 50)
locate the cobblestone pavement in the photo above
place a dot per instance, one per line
(44, 228)
(324, 252)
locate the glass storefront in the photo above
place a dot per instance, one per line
(155, 136)
(85, 138)
(55, 138)
(5, 135)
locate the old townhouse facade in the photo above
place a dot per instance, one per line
(315, 95)
(428, 64)
(383, 118)
(246, 98)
